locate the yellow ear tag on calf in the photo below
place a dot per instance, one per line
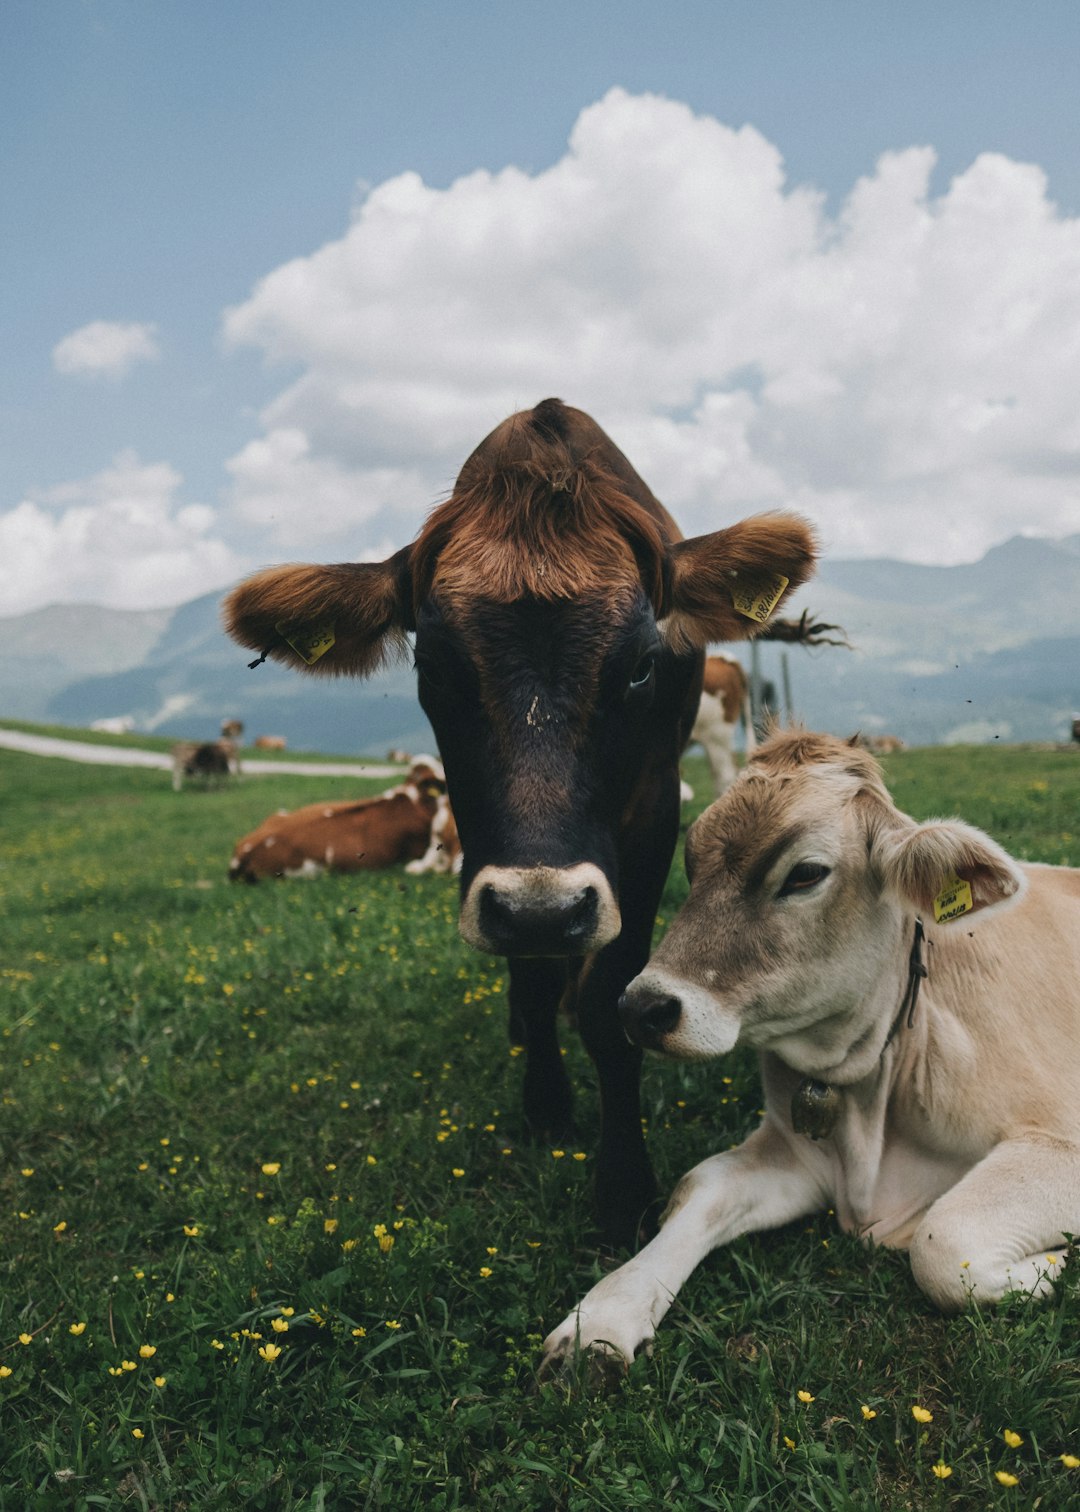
(953, 900)
(308, 641)
(757, 597)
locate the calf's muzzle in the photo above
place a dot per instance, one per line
(648, 1014)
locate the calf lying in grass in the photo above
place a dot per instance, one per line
(942, 1120)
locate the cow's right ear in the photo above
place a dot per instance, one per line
(346, 619)
(945, 869)
(727, 585)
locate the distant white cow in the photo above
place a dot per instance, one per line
(116, 724)
(945, 1122)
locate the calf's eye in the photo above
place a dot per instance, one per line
(803, 876)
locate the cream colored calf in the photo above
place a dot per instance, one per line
(943, 1120)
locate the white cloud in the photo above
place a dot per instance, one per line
(905, 372)
(116, 538)
(106, 349)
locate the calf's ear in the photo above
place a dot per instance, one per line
(727, 585)
(946, 869)
(346, 619)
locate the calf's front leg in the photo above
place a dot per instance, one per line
(761, 1184)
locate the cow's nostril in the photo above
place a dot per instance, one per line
(647, 1017)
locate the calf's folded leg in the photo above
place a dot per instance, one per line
(1002, 1227)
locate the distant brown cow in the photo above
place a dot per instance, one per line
(881, 745)
(1076, 727)
(212, 761)
(270, 742)
(364, 834)
(725, 699)
(232, 729)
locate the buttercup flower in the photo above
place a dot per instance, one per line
(361, 1333)
(216, 1344)
(1012, 1439)
(789, 1442)
(159, 1381)
(1005, 1478)
(77, 1329)
(147, 1351)
(941, 1470)
(392, 1323)
(457, 1171)
(1070, 1461)
(269, 1352)
(25, 1338)
(5, 1371)
(137, 1433)
(279, 1325)
(191, 1230)
(921, 1415)
(804, 1396)
(270, 1167)
(867, 1412)
(485, 1271)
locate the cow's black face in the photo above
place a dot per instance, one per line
(546, 715)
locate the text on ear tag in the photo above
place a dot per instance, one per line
(757, 597)
(308, 641)
(953, 900)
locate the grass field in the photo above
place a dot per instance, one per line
(271, 1237)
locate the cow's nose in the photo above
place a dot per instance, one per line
(647, 1015)
(520, 924)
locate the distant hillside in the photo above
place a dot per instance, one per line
(989, 650)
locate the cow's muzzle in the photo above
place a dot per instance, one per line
(648, 1014)
(540, 910)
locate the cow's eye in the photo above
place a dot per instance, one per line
(642, 672)
(803, 876)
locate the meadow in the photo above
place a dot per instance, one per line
(271, 1234)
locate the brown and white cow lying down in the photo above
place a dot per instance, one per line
(558, 618)
(409, 823)
(949, 1127)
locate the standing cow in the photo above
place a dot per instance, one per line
(559, 618)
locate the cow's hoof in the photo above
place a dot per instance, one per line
(598, 1368)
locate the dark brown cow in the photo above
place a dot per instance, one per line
(558, 616)
(211, 761)
(365, 834)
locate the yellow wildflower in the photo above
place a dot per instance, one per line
(491, 1249)
(361, 1333)
(1012, 1438)
(804, 1396)
(137, 1433)
(147, 1351)
(27, 1170)
(5, 1371)
(191, 1230)
(216, 1344)
(269, 1352)
(392, 1323)
(25, 1338)
(329, 1225)
(287, 1312)
(1006, 1478)
(579, 1155)
(867, 1412)
(789, 1442)
(557, 1154)
(279, 1325)
(58, 1228)
(457, 1171)
(159, 1381)
(386, 1243)
(270, 1167)
(922, 1415)
(128, 1365)
(77, 1329)
(485, 1271)
(942, 1470)
(1070, 1461)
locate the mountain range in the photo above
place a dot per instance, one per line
(983, 651)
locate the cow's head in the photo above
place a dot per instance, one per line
(805, 881)
(557, 624)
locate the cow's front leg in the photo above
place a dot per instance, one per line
(536, 989)
(1002, 1227)
(760, 1185)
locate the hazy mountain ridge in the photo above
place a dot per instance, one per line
(988, 649)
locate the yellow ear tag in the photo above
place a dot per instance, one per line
(757, 597)
(308, 641)
(953, 900)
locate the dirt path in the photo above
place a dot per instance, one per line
(105, 755)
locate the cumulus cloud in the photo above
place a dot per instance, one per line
(904, 371)
(106, 349)
(117, 538)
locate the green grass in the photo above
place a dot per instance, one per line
(165, 743)
(169, 1040)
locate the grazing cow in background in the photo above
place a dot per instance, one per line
(881, 745)
(401, 758)
(725, 699)
(364, 834)
(212, 761)
(559, 619)
(270, 743)
(232, 729)
(944, 1121)
(1076, 727)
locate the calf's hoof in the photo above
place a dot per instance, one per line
(593, 1369)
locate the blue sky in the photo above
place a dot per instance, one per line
(159, 160)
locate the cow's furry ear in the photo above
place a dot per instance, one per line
(727, 585)
(345, 619)
(945, 868)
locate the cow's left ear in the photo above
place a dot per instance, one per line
(344, 619)
(727, 585)
(946, 869)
